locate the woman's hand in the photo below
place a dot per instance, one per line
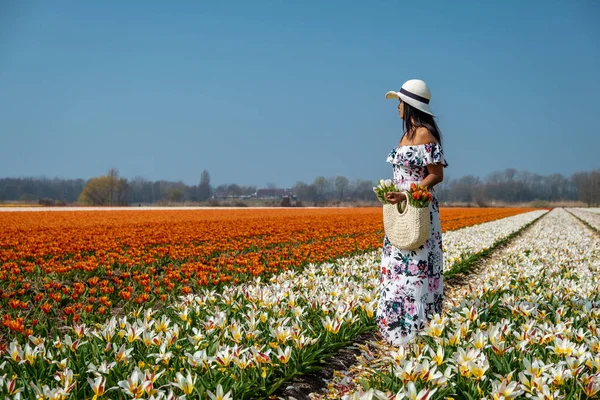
(395, 197)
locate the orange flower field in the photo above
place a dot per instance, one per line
(71, 264)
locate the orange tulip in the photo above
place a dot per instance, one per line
(88, 257)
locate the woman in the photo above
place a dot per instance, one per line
(411, 280)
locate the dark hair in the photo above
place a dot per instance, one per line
(414, 118)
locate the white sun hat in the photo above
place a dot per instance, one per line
(414, 92)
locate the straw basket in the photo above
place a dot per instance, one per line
(407, 229)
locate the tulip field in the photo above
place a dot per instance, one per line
(69, 266)
(231, 304)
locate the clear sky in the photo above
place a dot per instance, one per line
(282, 91)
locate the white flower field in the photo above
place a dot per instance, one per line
(530, 329)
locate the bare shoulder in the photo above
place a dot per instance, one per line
(424, 136)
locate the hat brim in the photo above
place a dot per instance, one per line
(392, 95)
(415, 103)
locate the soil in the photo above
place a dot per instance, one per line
(301, 387)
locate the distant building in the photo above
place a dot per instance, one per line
(232, 196)
(274, 193)
(259, 194)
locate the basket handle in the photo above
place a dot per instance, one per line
(398, 206)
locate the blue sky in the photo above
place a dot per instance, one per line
(283, 91)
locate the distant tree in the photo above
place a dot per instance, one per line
(148, 192)
(510, 174)
(510, 186)
(248, 190)
(320, 184)
(138, 192)
(305, 192)
(28, 197)
(588, 187)
(558, 187)
(221, 190)
(330, 187)
(174, 194)
(123, 192)
(464, 189)
(191, 193)
(204, 189)
(108, 190)
(234, 190)
(158, 190)
(271, 185)
(113, 185)
(442, 189)
(96, 192)
(362, 190)
(341, 186)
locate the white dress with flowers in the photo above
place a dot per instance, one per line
(412, 284)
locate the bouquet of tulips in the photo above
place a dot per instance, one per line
(384, 187)
(418, 196)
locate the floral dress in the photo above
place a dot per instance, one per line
(412, 283)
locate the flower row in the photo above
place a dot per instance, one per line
(460, 244)
(531, 329)
(588, 215)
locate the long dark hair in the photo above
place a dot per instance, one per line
(414, 118)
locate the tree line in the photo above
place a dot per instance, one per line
(514, 186)
(508, 186)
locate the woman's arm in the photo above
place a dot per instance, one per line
(435, 175)
(435, 172)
